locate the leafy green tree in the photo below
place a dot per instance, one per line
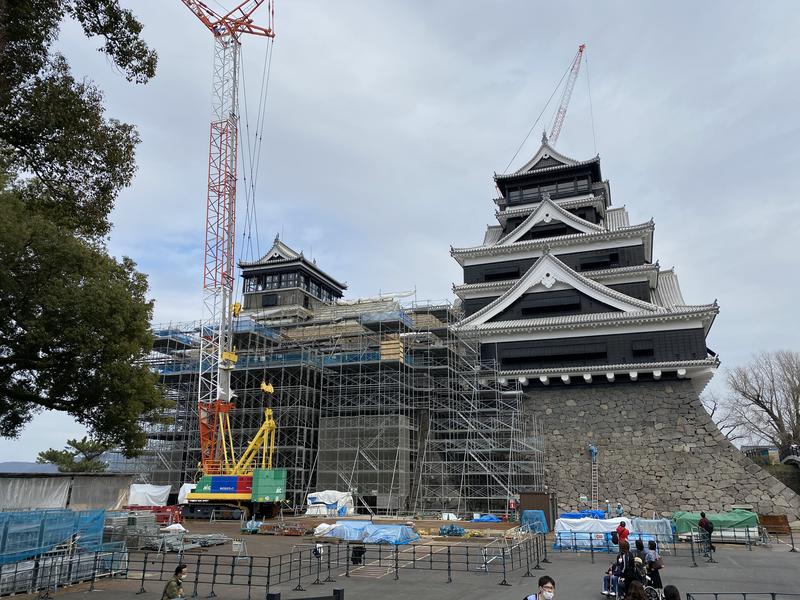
(79, 456)
(74, 321)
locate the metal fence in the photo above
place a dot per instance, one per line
(695, 545)
(207, 574)
(49, 573)
(741, 596)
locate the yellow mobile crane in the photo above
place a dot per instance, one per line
(249, 483)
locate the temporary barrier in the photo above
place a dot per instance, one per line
(25, 534)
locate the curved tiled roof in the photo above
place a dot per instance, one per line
(563, 215)
(668, 291)
(493, 233)
(616, 218)
(555, 241)
(598, 274)
(549, 259)
(572, 202)
(547, 169)
(598, 319)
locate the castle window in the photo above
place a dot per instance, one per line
(271, 282)
(501, 274)
(599, 261)
(642, 348)
(551, 303)
(289, 280)
(568, 353)
(269, 300)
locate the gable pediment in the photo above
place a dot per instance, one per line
(546, 156)
(278, 251)
(547, 212)
(548, 273)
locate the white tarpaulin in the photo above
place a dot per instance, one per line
(186, 489)
(25, 493)
(144, 494)
(332, 502)
(589, 525)
(594, 534)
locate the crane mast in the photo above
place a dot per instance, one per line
(561, 113)
(217, 355)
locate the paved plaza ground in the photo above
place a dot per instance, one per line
(763, 569)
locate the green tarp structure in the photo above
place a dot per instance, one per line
(684, 521)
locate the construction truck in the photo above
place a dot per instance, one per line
(249, 483)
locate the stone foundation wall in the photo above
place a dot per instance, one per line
(659, 451)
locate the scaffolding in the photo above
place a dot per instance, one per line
(374, 397)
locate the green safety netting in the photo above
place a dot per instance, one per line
(685, 521)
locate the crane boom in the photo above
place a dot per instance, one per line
(217, 355)
(566, 95)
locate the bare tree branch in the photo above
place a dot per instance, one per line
(765, 398)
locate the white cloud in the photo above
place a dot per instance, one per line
(386, 121)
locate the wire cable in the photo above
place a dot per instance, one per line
(530, 131)
(591, 110)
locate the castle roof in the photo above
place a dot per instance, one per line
(549, 271)
(615, 274)
(281, 255)
(643, 230)
(544, 213)
(596, 200)
(545, 160)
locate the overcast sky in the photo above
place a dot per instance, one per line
(386, 121)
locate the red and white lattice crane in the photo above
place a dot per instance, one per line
(561, 113)
(217, 356)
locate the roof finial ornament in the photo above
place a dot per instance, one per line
(545, 196)
(544, 136)
(546, 249)
(277, 237)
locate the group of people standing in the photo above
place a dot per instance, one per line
(632, 570)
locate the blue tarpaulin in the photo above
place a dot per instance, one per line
(389, 534)
(451, 531)
(487, 519)
(535, 520)
(582, 514)
(369, 533)
(25, 534)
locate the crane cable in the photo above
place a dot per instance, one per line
(591, 109)
(544, 108)
(250, 159)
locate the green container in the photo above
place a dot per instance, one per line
(269, 485)
(204, 485)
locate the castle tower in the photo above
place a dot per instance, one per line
(283, 286)
(565, 296)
